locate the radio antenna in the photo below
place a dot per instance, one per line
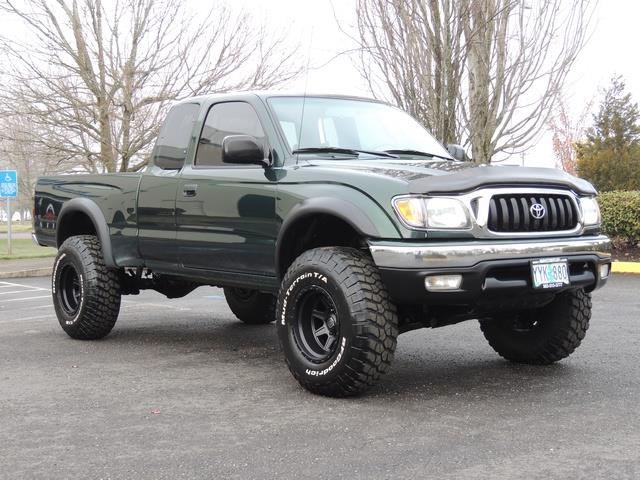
(304, 95)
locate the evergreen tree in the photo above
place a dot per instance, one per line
(610, 156)
(616, 123)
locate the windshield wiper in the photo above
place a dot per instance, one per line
(345, 151)
(417, 152)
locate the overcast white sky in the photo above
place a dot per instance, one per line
(611, 50)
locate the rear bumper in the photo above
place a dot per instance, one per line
(495, 274)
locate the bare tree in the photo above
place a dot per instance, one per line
(413, 50)
(21, 151)
(96, 78)
(566, 131)
(497, 65)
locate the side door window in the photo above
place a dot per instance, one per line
(170, 150)
(157, 193)
(224, 119)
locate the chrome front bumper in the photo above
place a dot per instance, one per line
(410, 255)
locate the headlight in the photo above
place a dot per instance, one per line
(437, 213)
(446, 213)
(590, 211)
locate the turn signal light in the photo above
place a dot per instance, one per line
(411, 210)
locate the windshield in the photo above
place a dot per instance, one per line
(351, 124)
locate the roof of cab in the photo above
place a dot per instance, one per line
(265, 94)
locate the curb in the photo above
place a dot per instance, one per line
(38, 272)
(625, 267)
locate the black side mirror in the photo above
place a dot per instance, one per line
(243, 149)
(457, 152)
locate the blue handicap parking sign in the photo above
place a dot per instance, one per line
(8, 183)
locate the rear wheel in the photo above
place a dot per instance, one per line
(86, 294)
(251, 306)
(544, 335)
(336, 324)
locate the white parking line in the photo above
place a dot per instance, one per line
(23, 298)
(46, 305)
(16, 291)
(39, 318)
(10, 284)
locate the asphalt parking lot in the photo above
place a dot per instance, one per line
(180, 389)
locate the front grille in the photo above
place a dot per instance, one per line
(512, 213)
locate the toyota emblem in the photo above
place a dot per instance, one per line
(537, 211)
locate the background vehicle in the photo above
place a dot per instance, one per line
(341, 219)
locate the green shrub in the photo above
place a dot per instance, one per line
(610, 170)
(621, 215)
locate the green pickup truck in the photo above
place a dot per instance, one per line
(339, 218)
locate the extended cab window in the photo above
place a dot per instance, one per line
(224, 119)
(170, 151)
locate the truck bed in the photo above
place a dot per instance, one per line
(115, 194)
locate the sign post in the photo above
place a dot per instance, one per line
(8, 190)
(9, 250)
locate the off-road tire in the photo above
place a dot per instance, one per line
(91, 312)
(365, 321)
(251, 306)
(558, 330)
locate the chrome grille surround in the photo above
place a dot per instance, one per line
(478, 204)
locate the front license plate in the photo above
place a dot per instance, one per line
(550, 273)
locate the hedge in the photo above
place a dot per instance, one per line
(621, 215)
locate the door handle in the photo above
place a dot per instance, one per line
(189, 190)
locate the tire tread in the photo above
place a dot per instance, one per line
(261, 312)
(375, 318)
(562, 342)
(102, 298)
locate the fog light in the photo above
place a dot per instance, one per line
(436, 283)
(604, 270)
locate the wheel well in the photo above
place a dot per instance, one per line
(75, 223)
(313, 231)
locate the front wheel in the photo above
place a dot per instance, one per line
(544, 335)
(86, 294)
(335, 322)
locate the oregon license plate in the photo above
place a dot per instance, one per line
(550, 273)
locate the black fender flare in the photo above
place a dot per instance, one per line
(92, 210)
(346, 211)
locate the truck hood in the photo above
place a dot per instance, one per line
(426, 176)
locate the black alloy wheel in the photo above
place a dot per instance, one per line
(317, 324)
(70, 290)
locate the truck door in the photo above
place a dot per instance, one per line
(158, 186)
(226, 213)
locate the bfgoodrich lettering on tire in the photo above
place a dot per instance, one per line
(335, 322)
(86, 294)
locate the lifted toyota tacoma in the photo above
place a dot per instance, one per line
(339, 218)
